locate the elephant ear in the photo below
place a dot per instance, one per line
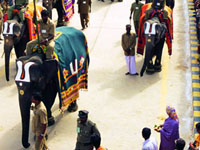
(50, 68)
(35, 73)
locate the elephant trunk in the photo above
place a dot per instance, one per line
(148, 53)
(25, 104)
(7, 50)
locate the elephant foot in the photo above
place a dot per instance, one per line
(72, 107)
(150, 71)
(26, 145)
(51, 121)
(157, 68)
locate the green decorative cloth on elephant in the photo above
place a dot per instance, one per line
(71, 51)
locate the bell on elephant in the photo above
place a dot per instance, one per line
(158, 4)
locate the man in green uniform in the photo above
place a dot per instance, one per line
(47, 32)
(85, 128)
(39, 124)
(136, 9)
(21, 6)
(84, 8)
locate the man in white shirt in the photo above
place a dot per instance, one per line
(148, 144)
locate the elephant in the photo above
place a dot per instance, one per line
(15, 35)
(154, 32)
(38, 77)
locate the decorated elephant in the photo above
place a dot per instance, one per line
(155, 27)
(17, 34)
(154, 37)
(65, 75)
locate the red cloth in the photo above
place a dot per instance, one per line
(168, 34)
(5, 17)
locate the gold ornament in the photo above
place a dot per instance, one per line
(21, 92)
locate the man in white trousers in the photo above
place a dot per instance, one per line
(128, 44)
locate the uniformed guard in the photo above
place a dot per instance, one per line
(84, 8)
(47, 32)
(85, 128)
(128, 44)
(136, 9)
(21, 6)
(39, 124)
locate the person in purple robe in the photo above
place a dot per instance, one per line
(169, 131)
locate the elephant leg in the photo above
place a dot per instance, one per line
(150, 67)
(49, 98)
(159, 50)
(73, 107)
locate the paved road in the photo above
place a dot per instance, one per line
(120, 105)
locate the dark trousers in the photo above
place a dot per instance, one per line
(136, 25)
(84, 20)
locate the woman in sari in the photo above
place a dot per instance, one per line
(169, 131)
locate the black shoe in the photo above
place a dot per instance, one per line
(127, 73)
(83, 29)
(136, 74)
(102, 0)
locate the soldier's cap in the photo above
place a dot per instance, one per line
(83, 113)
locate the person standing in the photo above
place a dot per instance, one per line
(128, 44)
(85, 128)
(136, 8)
(149, 143)
(169, 131)
(46, 37)
(84, 8)
(39, 124)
